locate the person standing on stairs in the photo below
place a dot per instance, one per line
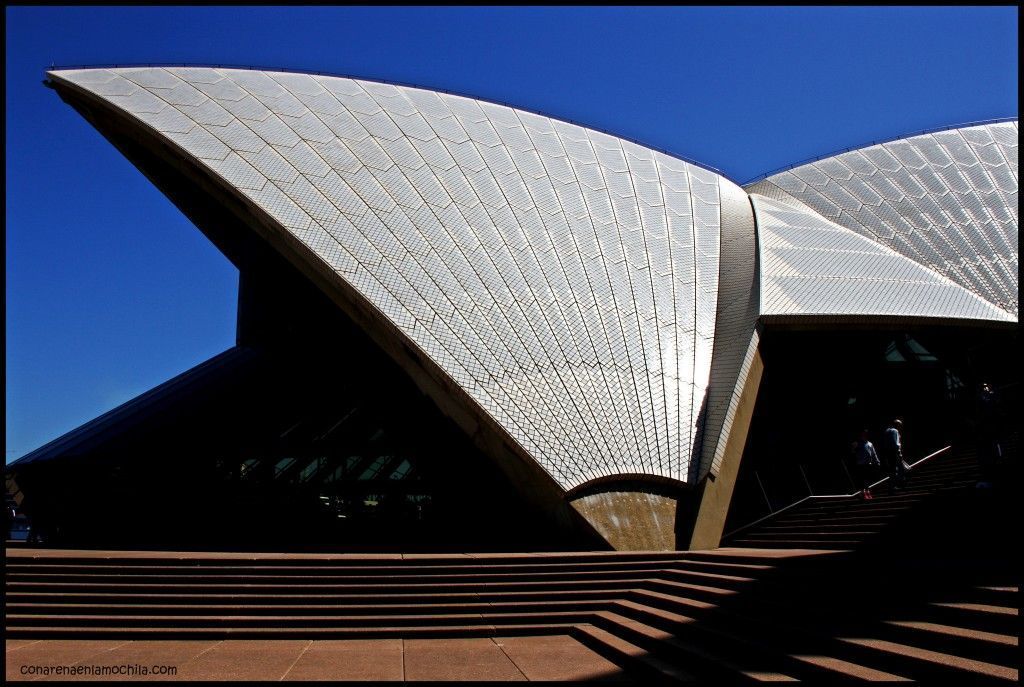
(989, 447)
(867, 462)
(892, 454)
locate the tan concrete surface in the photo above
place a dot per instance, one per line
(33, 552)
(558, 657)
(554, 657)
(145, 653)
(47, 653)
(244, 660)
(13, 644)
(384, 559)
(476, 659)
(351, 659)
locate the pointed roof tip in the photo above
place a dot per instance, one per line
(51, 76)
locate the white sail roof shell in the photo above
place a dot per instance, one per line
(813, 267)
(947, 200)
(568, 280)
(564, 278)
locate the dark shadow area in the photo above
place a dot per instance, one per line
(305, 437)
(943, 578)
(820, 389)
(933, 597)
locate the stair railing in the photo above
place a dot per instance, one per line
(827, 496)
(912, 466)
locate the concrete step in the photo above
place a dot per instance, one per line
(693, 593)
(836, 519)
(922, 485)
(20, 621)
(766, 647)
(244, 598)
(859, 532)
(946, 469)
(988, 647)
(977, 616)
(934, 665)
(796, 531)
(930, 601)
(965, 462)
(797, 542)
(369, 561)
(290, 610)
(194, 633)
(824, 524)
(717, 666)
(775, 610)
(382, 587)
(862, 509)
(879, 502)
(635, 659)
(701, 587)
(284, 567)
(260, 578)
(769, 627)
(809, 534)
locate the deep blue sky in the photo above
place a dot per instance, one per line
(111, 291)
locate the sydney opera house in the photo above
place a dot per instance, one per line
(463, 326)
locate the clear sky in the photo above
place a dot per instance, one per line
(111, 291)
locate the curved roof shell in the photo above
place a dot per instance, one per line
(566, 279)
(811, 266)
(570, 283)
(947, 200)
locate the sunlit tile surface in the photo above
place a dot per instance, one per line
(568, 280)
(946, 200)
(811, 266)
(565, 278)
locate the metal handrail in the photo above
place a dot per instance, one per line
(912, 466)
(770, 515)
(828, 496)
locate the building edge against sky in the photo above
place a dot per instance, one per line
(588, 311)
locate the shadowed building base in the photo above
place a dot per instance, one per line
(716, 490)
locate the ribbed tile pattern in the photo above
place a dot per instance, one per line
(811, 266)
(948, 200)
(566, 279)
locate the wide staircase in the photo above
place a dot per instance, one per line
(848, 521)
(936, 599)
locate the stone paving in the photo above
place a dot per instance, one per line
(554, 657)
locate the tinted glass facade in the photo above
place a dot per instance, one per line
(303, 438)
